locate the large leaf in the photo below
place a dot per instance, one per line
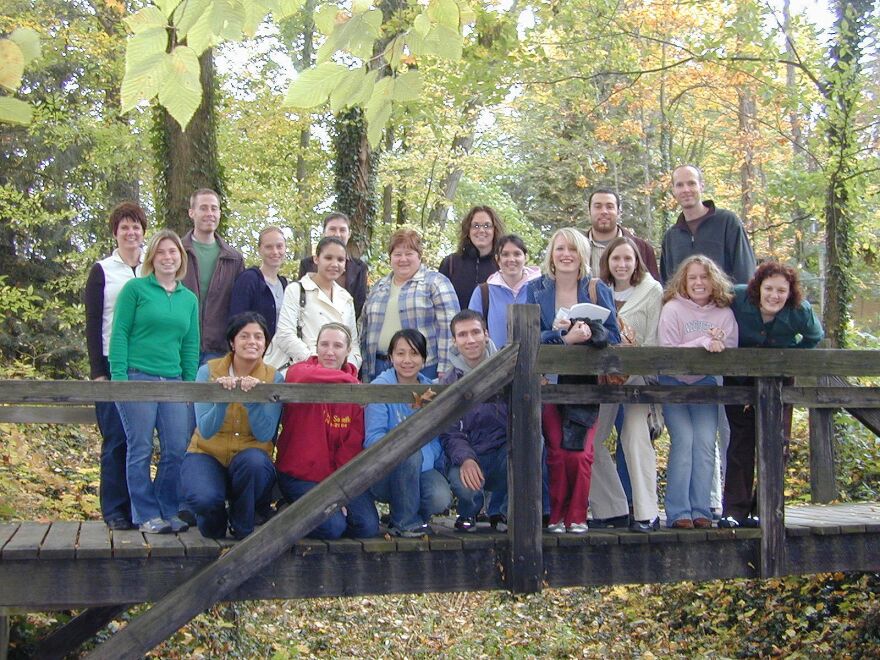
(359, 6)
(326, 18)
(254, 13)
(148, 18)
(376, 124)
(29, 42)
(167, 6)
(14, 111)
(179, 88)
(221, 20)
(407, 86)
(144, 46)
(356, 35)
(444, 12)
(191, 12)
(313, 86)
(11, 65)
(348, 89)
(286, 8)
(141, 81)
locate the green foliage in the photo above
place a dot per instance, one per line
(16, 52)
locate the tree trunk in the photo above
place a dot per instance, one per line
(746, 117)
(355, 174)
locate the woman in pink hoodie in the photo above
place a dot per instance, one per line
(696, 313)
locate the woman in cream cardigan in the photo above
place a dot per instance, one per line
(638, 298)
(325, 300)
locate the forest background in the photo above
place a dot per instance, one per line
(408, 113)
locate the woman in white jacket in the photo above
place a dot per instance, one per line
(638, 298)
(317, 299)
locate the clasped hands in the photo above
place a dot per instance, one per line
(246, 383)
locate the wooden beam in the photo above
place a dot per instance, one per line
(47, 414)
(66, 639)
(823, 487)
(692, 361)
(646, 394)
(860, 402)
(525, 564)
(275, 537)
(869, 418)
(4, 635)
(770, 438)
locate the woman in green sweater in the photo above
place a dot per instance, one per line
(156, 338)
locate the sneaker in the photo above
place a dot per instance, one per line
(702, 523)
(498, 521)
(187, 516)
(617, 522)
(414, 533)
(578, 528)
(463, 524)
(155, 526)
(645, 526)
(729, 522)
(556, 528)
(751, 522)
(178, 524)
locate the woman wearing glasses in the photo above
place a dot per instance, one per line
(474, 260)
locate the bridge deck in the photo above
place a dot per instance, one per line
(75, 564)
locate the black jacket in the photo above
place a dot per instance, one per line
(467, 272)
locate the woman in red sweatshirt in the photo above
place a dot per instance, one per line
(318, 438)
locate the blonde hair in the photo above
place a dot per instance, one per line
(150, 255)
(574, 238)
(722, 287)
(269, 230)
(333, 325)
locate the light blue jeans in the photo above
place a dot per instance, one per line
(691, 467)
(154, 498)
(414, 495)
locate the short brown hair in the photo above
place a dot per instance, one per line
(336, 215)
(202, 191)
(605, 270)
(408, 238)
(769, 269)
(125, 210)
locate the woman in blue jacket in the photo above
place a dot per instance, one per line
(260, 288)
(771, 313)
(416, 489)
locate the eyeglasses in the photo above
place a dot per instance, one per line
(486, 226)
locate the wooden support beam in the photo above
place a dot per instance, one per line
(823, 487)
(770, 438)
(275, 537)
(4, 635)
(647, 394)
(525, 564)
(65, 640)
(868, 417)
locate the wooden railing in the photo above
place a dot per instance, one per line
(516, 371)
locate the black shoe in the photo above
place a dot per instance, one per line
(645, 526)
(617, 522)
(187, 516)
(463, 524)
(750, 522)
(482, 517)
(119, 524)
(729, 522)
(545, 520)
(498, 522)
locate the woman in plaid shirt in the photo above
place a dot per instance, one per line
(410, 297)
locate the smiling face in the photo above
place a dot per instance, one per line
(331, 261)
(482, 232)
(566, 259)
(511, 261)
(339, 228)
(774, 294)
(205, 214)
(250, 342)
(687, 188)
(129, 234)
(697, 284)
(603, 215)
(622, 265)
(407, 361)
(470, 339)
(405, 262)
(166, 261)
(273, 249)
(332, 348)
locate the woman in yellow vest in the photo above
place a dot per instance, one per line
(230, 455)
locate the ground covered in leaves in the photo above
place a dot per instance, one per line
(51, 473)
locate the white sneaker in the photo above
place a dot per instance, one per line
(578, 528)
(556, 528)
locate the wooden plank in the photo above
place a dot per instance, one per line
(344, 546)
(7, 530)
(525, 569)
(307, 547)
(379, 544)
(165, 545)
(770, 438)
(4, 636)
(94, 540)
(274, 538)
(870, 418)
(868, 398)
(60, 541)
(692, 361)
(421, 544)
(823, 486)
(66, 639)
(26, 542)
(196, 545)
(646, 394)
(129, 543)
(47, 414)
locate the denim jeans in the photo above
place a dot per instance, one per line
(692, 430)
(149, 498)
(206, 485)
(494, 467)
(361, 520)
(414, 495)
(115, 502)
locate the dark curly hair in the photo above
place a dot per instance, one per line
(464, 232)
(769, 269)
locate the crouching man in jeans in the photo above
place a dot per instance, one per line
(477, 445)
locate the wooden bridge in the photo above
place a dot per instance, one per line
(73, 565)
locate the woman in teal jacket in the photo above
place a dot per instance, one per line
(771, 313)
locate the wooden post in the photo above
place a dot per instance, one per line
(770, 438)
(270, 540)
(823, 487)
(65, 640)
(525, 561)
(4, 634)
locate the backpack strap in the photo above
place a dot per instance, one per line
(484, 297)
(593, 290)
(302, 308)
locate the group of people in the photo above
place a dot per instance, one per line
(187, 309)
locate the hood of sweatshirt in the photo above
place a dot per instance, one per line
(459, 363)
(530, 272)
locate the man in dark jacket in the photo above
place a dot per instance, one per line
(477, 445)
(212, 266)
(354, 279)
(702, 228)
(604, 207)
